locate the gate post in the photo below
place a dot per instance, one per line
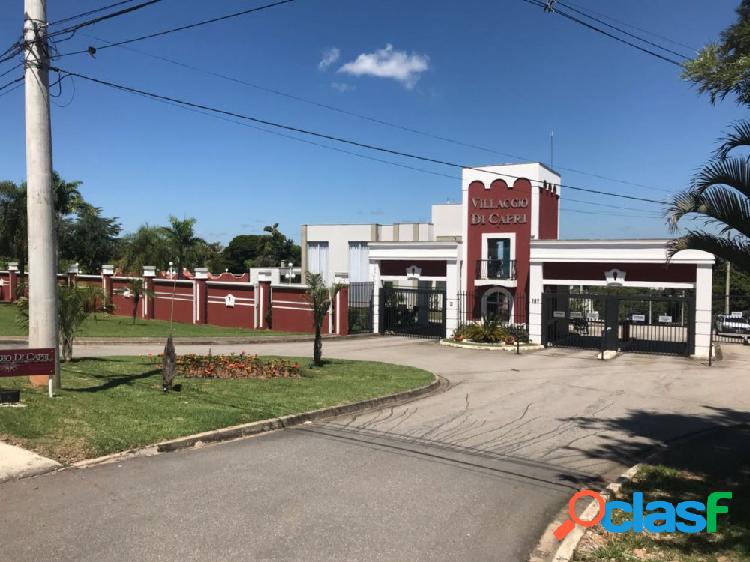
(612, 323)
(377, 299)
(536, 319)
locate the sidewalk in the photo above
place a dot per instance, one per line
(16, 462)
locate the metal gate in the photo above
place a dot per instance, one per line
(413, 312)
(634, 323)
(360, 303)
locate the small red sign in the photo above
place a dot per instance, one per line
(27, 361)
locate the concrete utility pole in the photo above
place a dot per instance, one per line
(40, 207)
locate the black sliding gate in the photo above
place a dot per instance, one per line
(635, 323)
(412, 312)
(360, 303)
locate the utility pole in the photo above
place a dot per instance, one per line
(727, 285)
(42, 274)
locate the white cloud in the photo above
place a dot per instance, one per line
(330, 56)
(342, 87)
(387, 63)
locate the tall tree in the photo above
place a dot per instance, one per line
(275, 247)
(720, 196)
(241, 252)
(146, 246)
(723, 68)
(182, 241)
(89, 239)
(13, 223)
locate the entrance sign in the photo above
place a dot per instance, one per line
(28, 362)
(638, 317)
(665, 319)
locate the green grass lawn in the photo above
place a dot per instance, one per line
(116, 403)
(730, 544)
(110, 326)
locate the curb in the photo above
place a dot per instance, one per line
(506, 348)
(567, 548)
(564, 551)
(188, 340)
(265, 426)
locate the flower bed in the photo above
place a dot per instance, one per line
(235, 366)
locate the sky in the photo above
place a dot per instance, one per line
(499, 75)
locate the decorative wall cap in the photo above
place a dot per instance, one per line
(73, 268)
(264, 275)
(12, 266)
(201, 273)
(149, 271)
(341, 278)
(108, 270)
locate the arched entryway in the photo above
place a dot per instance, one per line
(497, 303)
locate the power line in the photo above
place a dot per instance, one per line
(90, 12)
(13, 89)
(365, 117)
(604, 32)
(105, 17)
(642, 30)
(374, 159)
(181, 28)
(9, 84)
(326, 136)
(634, 36)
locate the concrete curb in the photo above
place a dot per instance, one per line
(264, 426)
(22, 463)
(549, 550)
(506, 348)
(189, 340)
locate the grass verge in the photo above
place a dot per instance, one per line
(115, 403)
(658, 482)
(109, 326)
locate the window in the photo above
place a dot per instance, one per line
(317, 258)
(359, 264)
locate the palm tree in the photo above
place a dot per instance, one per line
(13, 221)
(146, 246)
(719, 195)
(319, 296)
(181, 240)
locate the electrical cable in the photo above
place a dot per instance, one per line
(326, 136)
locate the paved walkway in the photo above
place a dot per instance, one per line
(474, 473)
(16, 462)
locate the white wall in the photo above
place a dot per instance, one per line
(447, 220)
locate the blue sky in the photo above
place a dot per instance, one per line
(496, 74)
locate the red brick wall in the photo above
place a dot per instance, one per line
(292, 312)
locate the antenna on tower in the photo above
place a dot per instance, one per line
(552, 149)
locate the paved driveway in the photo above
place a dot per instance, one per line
(474, 473)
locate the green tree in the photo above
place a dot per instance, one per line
(320, 298)
(723, 68)
(275, 247)
(89, 239)
(241, 252)
(13, 218)
(720, 196)
(182, 241)
(211, 255)
(146, 246)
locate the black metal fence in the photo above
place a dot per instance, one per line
(495, 269)
(413, 312)
(491, 303)
(646, 323)
(361, 306)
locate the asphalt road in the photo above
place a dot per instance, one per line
(473, 473)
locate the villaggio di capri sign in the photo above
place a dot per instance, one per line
(496, 208)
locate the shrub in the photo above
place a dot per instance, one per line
(235, 366)
(520, 333)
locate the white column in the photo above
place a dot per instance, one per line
(703, 290)
(375, 278)
(452, 286)
(340, 278)
(536, 288)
